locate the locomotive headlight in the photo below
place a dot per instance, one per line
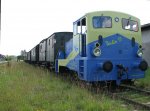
(97, 52)
(140, 53)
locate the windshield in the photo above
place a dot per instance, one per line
(131, 25)
(102, 22)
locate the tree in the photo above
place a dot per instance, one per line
(22, 54)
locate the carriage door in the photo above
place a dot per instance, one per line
(82, 37)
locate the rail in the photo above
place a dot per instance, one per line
(140, 98)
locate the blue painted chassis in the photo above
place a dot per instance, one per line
(115, 48)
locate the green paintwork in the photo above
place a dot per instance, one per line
(93, 33)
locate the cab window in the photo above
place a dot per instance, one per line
(102, 22)
(80, 27)
(131, 25)
(77, 28)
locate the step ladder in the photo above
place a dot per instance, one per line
(81, 68)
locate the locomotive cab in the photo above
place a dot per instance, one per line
(80, 36)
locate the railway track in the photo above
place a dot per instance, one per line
(136, 97)
(131, 95)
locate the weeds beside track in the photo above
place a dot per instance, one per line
(139, 98)
(24, 87)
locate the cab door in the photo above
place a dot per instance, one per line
(82, 36)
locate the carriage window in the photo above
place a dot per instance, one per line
(102, 22)
(131, 25)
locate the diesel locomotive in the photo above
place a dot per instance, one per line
(104, 46)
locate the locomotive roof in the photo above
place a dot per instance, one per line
(108, 13)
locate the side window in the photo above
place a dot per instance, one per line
(75, 31)
(77, 28)
(80, 27)
(83, 22)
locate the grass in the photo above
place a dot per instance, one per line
(145, 82)
(24, 87)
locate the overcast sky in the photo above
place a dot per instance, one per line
(25, 23)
